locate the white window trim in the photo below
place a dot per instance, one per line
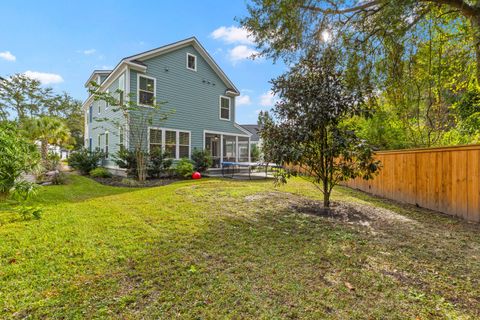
(138, 89)
(107, 143)
(106, 102)
(192, 55)
(177, 140)
(220, 108)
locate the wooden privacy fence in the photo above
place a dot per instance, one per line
(442, 179)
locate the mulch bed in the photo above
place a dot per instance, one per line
(121, 182)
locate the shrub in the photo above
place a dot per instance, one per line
(158, 164)
(17, 156)
(28, 212)
(184, 168)
(60, 178)
(52, 161)
(100, 173)
(254, 153)
(202, 160)
(126, 159)
(85, 161)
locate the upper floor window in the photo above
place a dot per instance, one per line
(191, 62)
(90, 113)
(224, 108)
(146, 90)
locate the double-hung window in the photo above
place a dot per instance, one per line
(224, 108)
(90, 113)
(146, 90)
(171, 143)
(183, 144)
(191, 62)
(155, 139)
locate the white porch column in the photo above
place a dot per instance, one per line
(221, 150)
(236, 148)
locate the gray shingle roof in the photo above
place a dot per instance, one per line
(253, 129)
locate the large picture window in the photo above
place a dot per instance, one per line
(146, 90)
(175, 143)
(224, 108)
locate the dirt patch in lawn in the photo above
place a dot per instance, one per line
(348, 212)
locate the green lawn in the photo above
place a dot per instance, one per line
(214, 249)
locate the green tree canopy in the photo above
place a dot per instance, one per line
(307, 124)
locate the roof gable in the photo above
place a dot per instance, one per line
(138, 58)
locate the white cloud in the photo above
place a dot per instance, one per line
(268, 99)
(7, 55)
(89, 51)
(241, 52)
(243, 100)
(233, 34)
(44, 78)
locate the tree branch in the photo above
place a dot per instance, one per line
(342, 11)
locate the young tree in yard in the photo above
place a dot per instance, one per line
(134, 118)
(47, 130)
(307, 128)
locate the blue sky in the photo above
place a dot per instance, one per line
(61, 42)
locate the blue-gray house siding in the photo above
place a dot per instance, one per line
(190, 98)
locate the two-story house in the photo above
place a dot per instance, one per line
(192, 88)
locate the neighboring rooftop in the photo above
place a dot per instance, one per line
(253, 129)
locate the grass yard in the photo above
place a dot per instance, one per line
(214, 249)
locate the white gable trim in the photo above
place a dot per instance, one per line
(122, 67)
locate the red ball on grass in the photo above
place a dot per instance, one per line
(196, 175)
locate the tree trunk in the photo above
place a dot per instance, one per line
(475, 23)
(326, 194)
(141, 165)
(44, 149)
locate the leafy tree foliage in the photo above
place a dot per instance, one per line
(255, 153)
(419, 57)
(23, 98)
(286, 27)
(17, 156)
(307, 128)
